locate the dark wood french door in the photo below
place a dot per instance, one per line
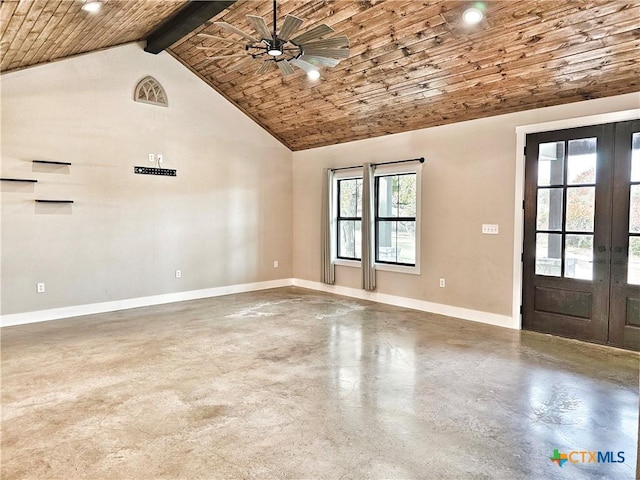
(581, 260)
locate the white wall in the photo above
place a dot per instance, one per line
(223, 220)
(469, 178)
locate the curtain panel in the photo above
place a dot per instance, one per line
(368, 229)
(327, 268)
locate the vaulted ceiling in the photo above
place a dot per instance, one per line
(412, 64)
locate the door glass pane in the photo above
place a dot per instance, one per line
(387, 236)
(407, 242)
(634, 210)
(551, 164)
(579, 257)
(548, 253)
(549, 216)
(581, 204)
(635, 157)
(633, 272)
(581, 161)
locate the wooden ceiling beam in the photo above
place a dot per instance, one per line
(186, 20)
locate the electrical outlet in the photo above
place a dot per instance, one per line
(39, 287)
(159, 157)
(276, 264)
(488, 229)
(442, 283)
(178, 273)
(152, 157)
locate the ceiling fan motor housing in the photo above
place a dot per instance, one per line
(275, 47)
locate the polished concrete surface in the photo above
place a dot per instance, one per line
(290, 383)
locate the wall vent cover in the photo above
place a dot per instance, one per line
(150, 91)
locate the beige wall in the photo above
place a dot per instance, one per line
(236, 205)
(468, 179)
(223, 220)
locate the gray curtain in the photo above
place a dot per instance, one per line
(328, 269)
(368, 232)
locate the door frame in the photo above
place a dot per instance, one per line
(518, 224)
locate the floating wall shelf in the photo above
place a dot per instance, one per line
(51, 162)
(27, 180)
(54, 201)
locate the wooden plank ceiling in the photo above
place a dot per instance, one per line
(39, 31)
(413, 64)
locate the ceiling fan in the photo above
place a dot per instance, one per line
(307, 51)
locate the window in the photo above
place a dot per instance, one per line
(150, 91)
(395, 237)
(349, 218)
(395, 219)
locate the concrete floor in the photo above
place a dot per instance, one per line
(291, 383)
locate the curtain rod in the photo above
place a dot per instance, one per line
(421, 160)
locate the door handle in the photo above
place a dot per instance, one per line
(601, 257)
(618, 256)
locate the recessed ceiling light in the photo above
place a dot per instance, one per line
(472, 15)
(313, 74)
(92, 6)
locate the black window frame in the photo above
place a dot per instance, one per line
(378, 218)
(340, 218)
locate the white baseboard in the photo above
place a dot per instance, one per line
(438, 308)
(93, 308)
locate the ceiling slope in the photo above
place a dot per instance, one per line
(413, 64)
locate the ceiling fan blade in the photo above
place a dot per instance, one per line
(264, 68)
(334, 42)
(235, 30)
(289, 27)
(325, 52)
(223, 57)
(220, 39)
(200, 47)
(303, 65)
(285, 68)
(315, 32)
(240, 64)
(260, 26)
(319, 60)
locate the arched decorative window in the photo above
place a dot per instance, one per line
(150, 91)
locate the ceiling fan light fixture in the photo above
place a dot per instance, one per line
(472, 16)
(274, 51)
(92, 6)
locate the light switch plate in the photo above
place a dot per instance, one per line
(490, 229)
